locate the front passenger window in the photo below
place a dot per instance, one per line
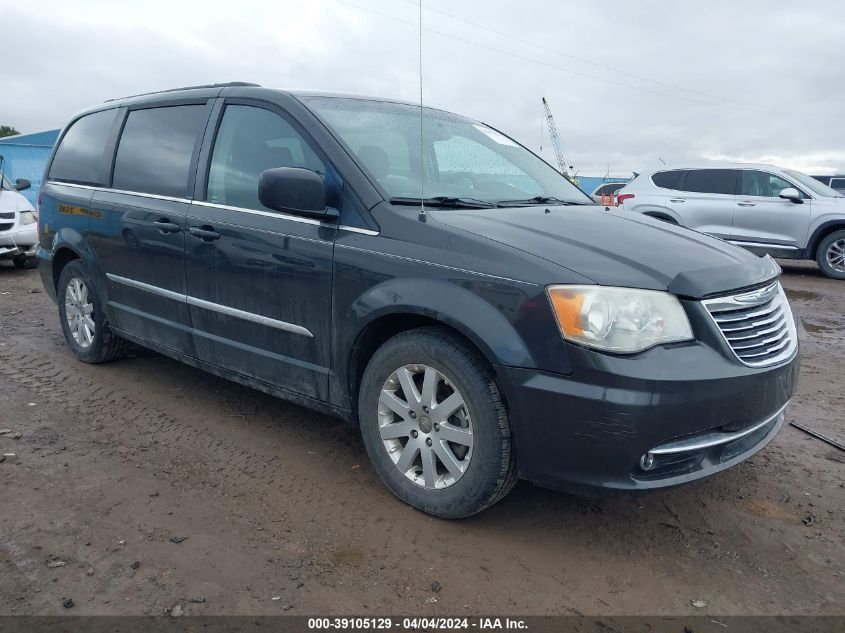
(761, 183)
(251, 140)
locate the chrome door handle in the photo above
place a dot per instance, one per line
(745, 204)
(676, 200)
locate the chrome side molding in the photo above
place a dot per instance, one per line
(214, 307)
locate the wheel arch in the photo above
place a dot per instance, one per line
(662, 215)
(69, 245)
(821, 232)
(426, 303)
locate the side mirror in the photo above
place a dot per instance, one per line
(791, 193)
(21, 184)
(293, 190)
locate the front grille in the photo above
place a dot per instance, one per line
(757, 325)
(7, 220)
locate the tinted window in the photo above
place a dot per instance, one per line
(710, 181)
(838, 183)
(80, 155)
(669, 179)
(251, 140)
(761, 183)
(155, 150)
(606, 190)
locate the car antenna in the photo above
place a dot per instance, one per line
(422, 216)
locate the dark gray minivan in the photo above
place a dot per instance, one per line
(430, 280)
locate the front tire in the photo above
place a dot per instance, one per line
(434, 424)
(83, 319)
(830, 255)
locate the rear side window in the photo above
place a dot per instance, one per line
(669, 179)
(155, 150)
(80, 157)
(710, 181)
(838, 183)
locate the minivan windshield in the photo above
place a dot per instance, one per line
(818, 188)
(462, 162)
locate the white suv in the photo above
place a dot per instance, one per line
(766, 209)
(18, 227)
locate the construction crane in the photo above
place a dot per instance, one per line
(560, 153)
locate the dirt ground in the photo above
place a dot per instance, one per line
(281, 513)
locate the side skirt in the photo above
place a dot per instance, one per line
(273, 390)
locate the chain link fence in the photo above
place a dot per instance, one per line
(21, 160)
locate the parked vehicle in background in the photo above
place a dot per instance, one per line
(834, 182)
(763, 208)
(607, 189)
(502, 326)
(18, 224)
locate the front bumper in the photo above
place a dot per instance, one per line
(692, 409)
(20, 240)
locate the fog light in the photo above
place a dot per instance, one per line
(647, 461)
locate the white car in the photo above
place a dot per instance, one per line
(18, 224)
(763, 208)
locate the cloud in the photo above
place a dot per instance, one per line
(750, 81)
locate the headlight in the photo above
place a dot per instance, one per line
(621, 320)
(28, 217)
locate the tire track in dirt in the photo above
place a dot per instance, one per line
(289, 474)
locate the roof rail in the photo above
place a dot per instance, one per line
(227, 84)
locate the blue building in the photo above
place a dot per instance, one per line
(26, 156)
(589, 184)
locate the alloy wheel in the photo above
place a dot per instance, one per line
(836, 255)
(79, 312)
(425, 426)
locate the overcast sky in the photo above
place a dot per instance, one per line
(628, 82)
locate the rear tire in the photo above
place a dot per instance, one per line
(83, 319)
(830, 255)
(463, 476)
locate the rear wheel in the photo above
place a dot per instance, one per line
(83, 320)
(830, 255)
(434, 424)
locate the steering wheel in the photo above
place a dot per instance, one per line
(463, 177)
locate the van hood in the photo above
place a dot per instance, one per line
(617, 248)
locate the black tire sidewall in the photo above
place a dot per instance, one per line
(473, 491)
(821, 255)
(93, 353)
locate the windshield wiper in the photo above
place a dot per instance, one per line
(445, 202)
(538, 200)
